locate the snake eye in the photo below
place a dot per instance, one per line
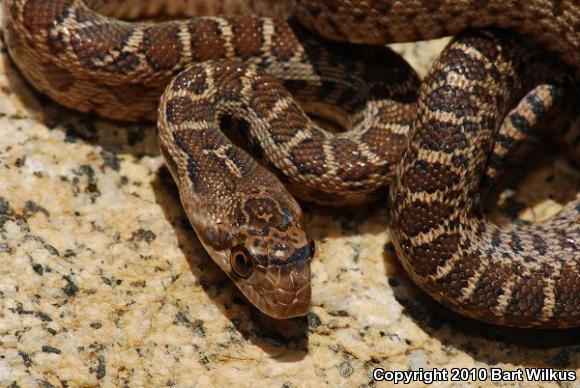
(241, 262)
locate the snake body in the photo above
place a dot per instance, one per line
(250, 225)
(521, 275)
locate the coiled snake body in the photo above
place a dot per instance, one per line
(519, 276)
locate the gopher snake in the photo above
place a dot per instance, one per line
(241, 212)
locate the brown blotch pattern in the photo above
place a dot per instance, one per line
(285, 126)
(104, 42)
(308, 157)
(193, 80)
(264, 213)
(284, 44)
(429, 177)
(420, 217)
(266, 92)
(441, 136)
(471, 68)
(247, 36)
(228, 80)
(567, 293)
(490, 286)
(180, 109)
(486, 47)
(452, 284)
(353, 166)
(388, 146)
(162, 46)
(207, 41)
(452, 99)
(40, 15)
(430, 256)
(527, 298)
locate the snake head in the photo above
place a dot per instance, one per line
(269, 257)
(274, 274)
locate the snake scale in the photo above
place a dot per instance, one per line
(430, 142)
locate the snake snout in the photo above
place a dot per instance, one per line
(281, 285)
(291, 292)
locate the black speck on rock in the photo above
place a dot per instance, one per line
(4, 211)
(5, 248)
(101, 369)
(106, 280)
(45, 384)
(313, 320)
(44, 317)
(20, 310)
(4, 206)
(202, 358)
(91, 187)
(111, 159)
(25, 357)
(346, 370)
(50, 349)
(196, 327)
(71, 288)
(96, 325)
(143, 235)
(20, 161)
(31, 207)
(38, 269)
(53, 251)
(86, 169)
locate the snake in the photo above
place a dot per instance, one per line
(220, 86)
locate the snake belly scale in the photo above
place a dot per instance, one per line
(253, 229)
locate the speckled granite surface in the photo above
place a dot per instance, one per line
(103, 282)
